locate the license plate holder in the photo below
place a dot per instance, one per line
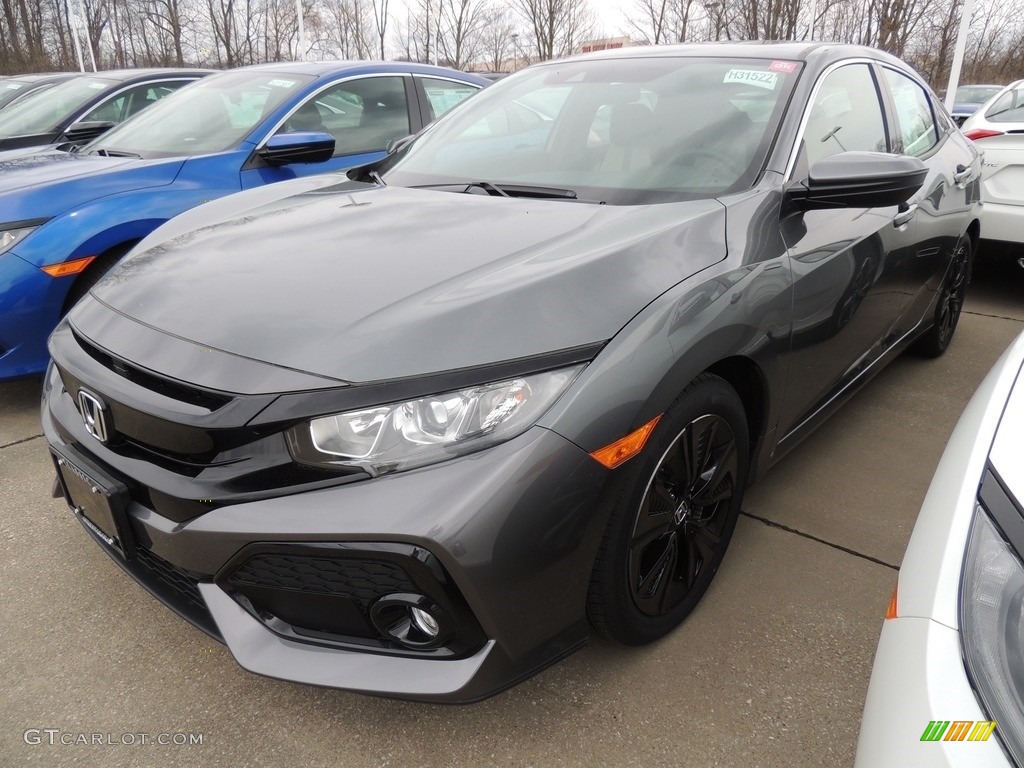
(98, 499)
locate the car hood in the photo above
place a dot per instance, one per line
(363, 284)
(42, 185)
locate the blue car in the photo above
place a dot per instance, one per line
(67, 217)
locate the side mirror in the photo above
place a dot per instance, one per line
(80, 133)
(859, 180)
(297, 147)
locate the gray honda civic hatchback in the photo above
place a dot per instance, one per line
(417, 430)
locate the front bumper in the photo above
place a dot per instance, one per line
(30, 306)
(510, 535)
(919, 677)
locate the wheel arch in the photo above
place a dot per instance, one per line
(95, 271)
(746, 377)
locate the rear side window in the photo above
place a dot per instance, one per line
(846, 115)
(1008, 108)
(917, 134)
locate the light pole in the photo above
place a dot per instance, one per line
(302, 31)
(958, 53)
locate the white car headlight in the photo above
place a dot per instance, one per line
(404, 435)
(14, 234)
(992, 629)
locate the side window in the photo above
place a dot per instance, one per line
(362, 115)
(917, 134)
(442, 95)
(845, 115)
(142, 97)
(132, 101)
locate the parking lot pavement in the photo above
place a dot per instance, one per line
(771, 670)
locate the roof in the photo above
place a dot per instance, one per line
(789, 50)
(321, 68)
(122, 75)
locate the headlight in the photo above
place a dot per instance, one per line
(8, 237)
(397, 436)
(991, 627)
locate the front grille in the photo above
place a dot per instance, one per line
(175, 390)
(361, 580)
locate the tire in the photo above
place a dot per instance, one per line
(936, 339)
(94, 273)
(671, 522)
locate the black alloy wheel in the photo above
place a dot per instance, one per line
(674, 516)
(936, 340)
(681, 520)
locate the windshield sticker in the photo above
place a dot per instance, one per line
(789, 67)
(97, 86)
(282, 83)
(13, 86)
(752, 77)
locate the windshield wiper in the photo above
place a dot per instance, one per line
(113, 153)
(376, 177)
(508, 190)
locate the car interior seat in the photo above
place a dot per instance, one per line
(630, 138)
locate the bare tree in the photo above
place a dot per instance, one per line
(556, 26)
(380, 22)
(459, 31)
(499, 38)
(662, 21)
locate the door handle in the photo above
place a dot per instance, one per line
(962, 176)
(904, 215)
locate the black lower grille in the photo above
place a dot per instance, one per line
(328, 593)
(172, 576)
(362, 580)
(174, 587)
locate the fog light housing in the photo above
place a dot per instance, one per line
(413, 621)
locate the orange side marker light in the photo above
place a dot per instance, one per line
(890, 612)
(627, 447)
(68, 267)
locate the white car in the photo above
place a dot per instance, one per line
(947, 688)
(998, 130)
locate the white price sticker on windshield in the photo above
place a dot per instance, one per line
(757, 77)
(282, 83)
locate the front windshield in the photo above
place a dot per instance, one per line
(619, 131)
(42, 111)
(211, 115)
(976, 94)
(10, 89)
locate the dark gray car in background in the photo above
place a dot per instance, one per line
(415, 432)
